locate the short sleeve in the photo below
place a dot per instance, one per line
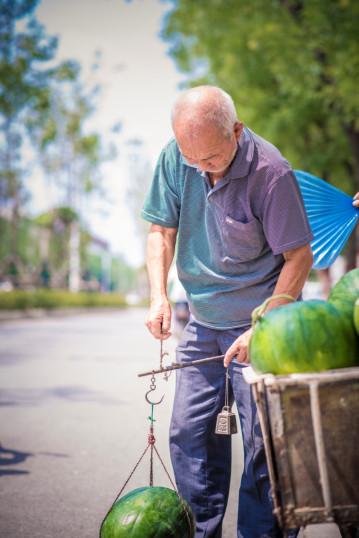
(162, 203)
(285, 222)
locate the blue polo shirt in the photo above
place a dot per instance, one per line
(231, 236)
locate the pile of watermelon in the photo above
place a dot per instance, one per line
(149, 512)
(310, 336)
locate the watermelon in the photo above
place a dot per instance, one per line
(346, 292)
(356, 316)
(149, 512)
(305, 336)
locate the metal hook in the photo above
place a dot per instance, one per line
(152, 388)
(149, 401)
(166, 374)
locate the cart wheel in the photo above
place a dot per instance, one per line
(349, 531)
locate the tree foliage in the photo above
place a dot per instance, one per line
(26, 69)
(44, 107)
(291, 66)
(69, 152)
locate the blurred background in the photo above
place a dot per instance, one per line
(85, 95)
(86, 88)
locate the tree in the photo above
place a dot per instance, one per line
(53, 234)
(24, 55)
(292, 68)
(71, 155)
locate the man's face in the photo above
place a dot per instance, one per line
(211, 151)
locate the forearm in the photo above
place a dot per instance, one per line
(160, 251)
(290, 282)
(293, 275)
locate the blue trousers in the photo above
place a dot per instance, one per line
(201, 459)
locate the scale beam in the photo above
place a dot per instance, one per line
(179, 366)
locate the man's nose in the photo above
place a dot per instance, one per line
(203, 165)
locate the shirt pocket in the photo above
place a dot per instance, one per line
(242, 241)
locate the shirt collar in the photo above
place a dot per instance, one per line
(242, 161)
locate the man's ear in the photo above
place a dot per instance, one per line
(238, 129)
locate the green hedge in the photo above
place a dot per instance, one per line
(41, 298)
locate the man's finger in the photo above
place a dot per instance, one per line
(154, 326)
(231, 352)
(166, 323)
(242, 356)
(164, 336)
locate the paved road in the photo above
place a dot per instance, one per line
(73, 422)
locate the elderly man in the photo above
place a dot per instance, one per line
(230, 202)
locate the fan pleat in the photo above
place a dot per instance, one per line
(332, 217)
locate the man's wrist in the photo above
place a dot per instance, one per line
(280, 301)
(157, 297)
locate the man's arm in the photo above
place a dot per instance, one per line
(160, 251)
(293, 274)
(290, 281)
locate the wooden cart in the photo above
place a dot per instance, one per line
(310, 425)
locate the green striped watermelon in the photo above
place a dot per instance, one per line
(356, 316)
(149, 512)
(305, 336)
(346, 292)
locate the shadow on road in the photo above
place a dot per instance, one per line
(12, 472)
(9, 456)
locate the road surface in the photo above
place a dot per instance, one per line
(73, 423)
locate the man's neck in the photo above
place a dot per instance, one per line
(215, 177)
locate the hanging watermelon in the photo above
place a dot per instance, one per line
(346, 292)
(149, 512)
(305, 336)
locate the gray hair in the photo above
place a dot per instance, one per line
(201, 106)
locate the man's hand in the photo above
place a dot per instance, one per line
(159, 318)
(356, 200)
(239, 348)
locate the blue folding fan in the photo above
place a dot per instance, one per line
(331, 215)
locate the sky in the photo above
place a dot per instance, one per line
(139, 84)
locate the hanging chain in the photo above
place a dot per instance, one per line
(151, 439)
(132, 472)
(162, 355)
(153, 384)
(126, 482)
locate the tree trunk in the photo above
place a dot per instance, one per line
(353, 137)
(74, 257)
(351, 251)
(353, 243)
